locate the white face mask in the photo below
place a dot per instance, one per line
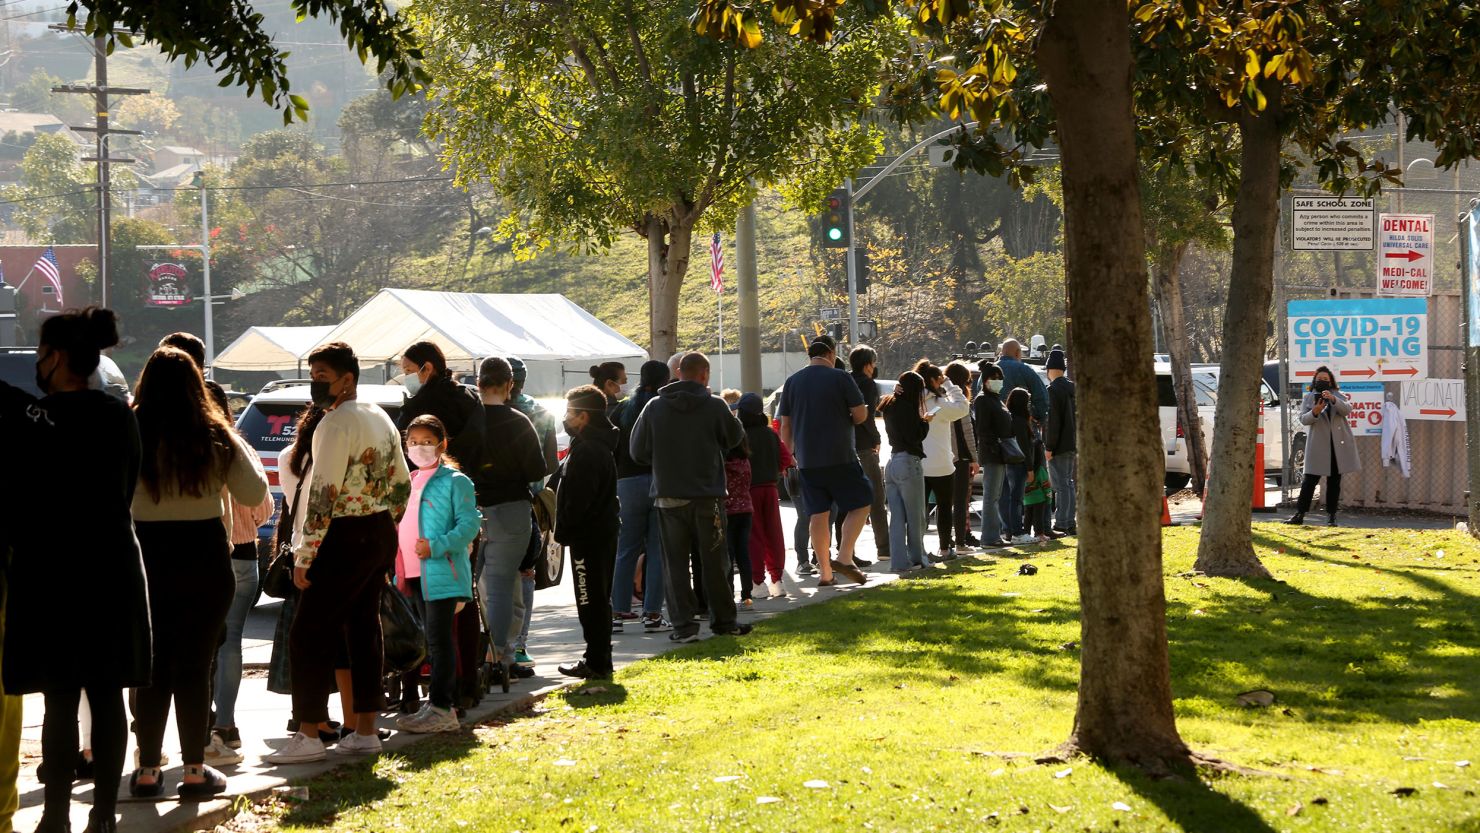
(411, 382)
(625, 392)
(424, 456)
(994, 385)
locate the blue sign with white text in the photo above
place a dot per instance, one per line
(1366, 339)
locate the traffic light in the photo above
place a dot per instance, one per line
(861, 264)
(835, 221)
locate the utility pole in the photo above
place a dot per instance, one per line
(100, 92)
(750, 308)
(852, 255)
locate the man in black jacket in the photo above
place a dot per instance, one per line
(684, 435)
(1060, 442)
(586, 521)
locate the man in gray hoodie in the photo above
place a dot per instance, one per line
(684, 434)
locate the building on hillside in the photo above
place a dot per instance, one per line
(171, 157)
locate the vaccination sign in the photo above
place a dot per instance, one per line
(1441, 400)
(1360, 339)
(1405, 255)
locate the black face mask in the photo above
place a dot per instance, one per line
(320, 394)
(1321, 386)
(44, 381)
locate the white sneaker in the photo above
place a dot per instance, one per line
(758, 591)
(219, 754)
(357, 744)
(1025, 539)
(431, 719)
(300, 749)
(777, 591)
(164, 759)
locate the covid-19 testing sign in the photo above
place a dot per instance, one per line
(1360, 339)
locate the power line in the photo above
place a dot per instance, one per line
(33, 13)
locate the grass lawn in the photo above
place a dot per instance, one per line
(883, 710)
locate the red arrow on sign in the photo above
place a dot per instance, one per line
(1409, 255)
(1448, 412)
(1305, 373)
(1369, 372)
(1407, 371)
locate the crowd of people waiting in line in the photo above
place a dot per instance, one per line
(666, 485)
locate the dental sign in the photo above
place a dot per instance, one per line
(1405, 255)
(1360, 339)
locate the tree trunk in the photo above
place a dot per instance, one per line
(1174, 320)
(1227, 546)
(668, 262)
(1125, 698)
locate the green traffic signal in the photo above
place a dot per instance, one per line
(834, 233)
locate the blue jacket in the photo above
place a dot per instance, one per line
(449, 519)
(1016, 374)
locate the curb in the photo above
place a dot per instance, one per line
(209, 819)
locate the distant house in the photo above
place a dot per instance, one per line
(12, 121)
(173, 156)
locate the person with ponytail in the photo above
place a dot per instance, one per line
(77, 616)
(907, 425)
(611, 379)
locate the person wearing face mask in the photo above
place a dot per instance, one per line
(504, 482)
(432, 565)
(586, 520)
(356, 491)
(611, 379)
(433, 391)
(1330, 446)
(993, 423)
(907, 425)
(864, 362)
(77, 612)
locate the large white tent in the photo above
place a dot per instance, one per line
(271, 349)
(557, 339)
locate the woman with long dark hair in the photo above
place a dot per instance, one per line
(190, 453)
(77, 616)
(1019, 403)
(906, 424)
(948, 404)
(963, 445)
(1330, 445)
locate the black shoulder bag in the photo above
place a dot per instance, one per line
(278, 583)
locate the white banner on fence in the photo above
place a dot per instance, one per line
(1366, 415)
(1442, 400)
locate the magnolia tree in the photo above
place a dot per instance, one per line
(596, 119)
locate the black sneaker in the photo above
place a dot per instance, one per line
(655, 624)
(584, 671)
(521, 672)
(736, 629)
(616, 626)
(684, 638)
(862, 562)
(232, 736)
(806, 569)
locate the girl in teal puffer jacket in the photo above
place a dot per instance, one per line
(433, 565)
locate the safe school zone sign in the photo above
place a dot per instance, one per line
(1360, 339)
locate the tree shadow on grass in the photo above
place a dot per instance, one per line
(1194, 806)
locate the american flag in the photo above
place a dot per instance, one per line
(716, 265)
(51, 270)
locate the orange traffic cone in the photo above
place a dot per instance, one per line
(1166, 512)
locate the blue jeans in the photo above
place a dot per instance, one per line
(521, 642)
(505, 540)
(993, 477)
(904, 485)
(1063, 472)
(639, 534)
(229, 655)
(1011, 504)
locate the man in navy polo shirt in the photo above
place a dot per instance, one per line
(819, 407)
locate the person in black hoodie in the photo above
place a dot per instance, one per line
(586, 520)
(696, 430)
(993, 424)
(1061, 443)
(639, 515)
(432, 390)
(864, 362)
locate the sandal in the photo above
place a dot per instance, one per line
(215, 783)
(154, 790)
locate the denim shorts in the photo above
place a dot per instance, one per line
(844, 485)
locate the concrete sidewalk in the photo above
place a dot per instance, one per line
(554, 639)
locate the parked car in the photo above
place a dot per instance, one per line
(1274, 443)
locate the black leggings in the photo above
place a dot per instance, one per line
(191, 584)
(59, 746)
(1333, 487)
(961, 502)
(944, 489)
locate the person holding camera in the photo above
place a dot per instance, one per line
(1330, 445)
